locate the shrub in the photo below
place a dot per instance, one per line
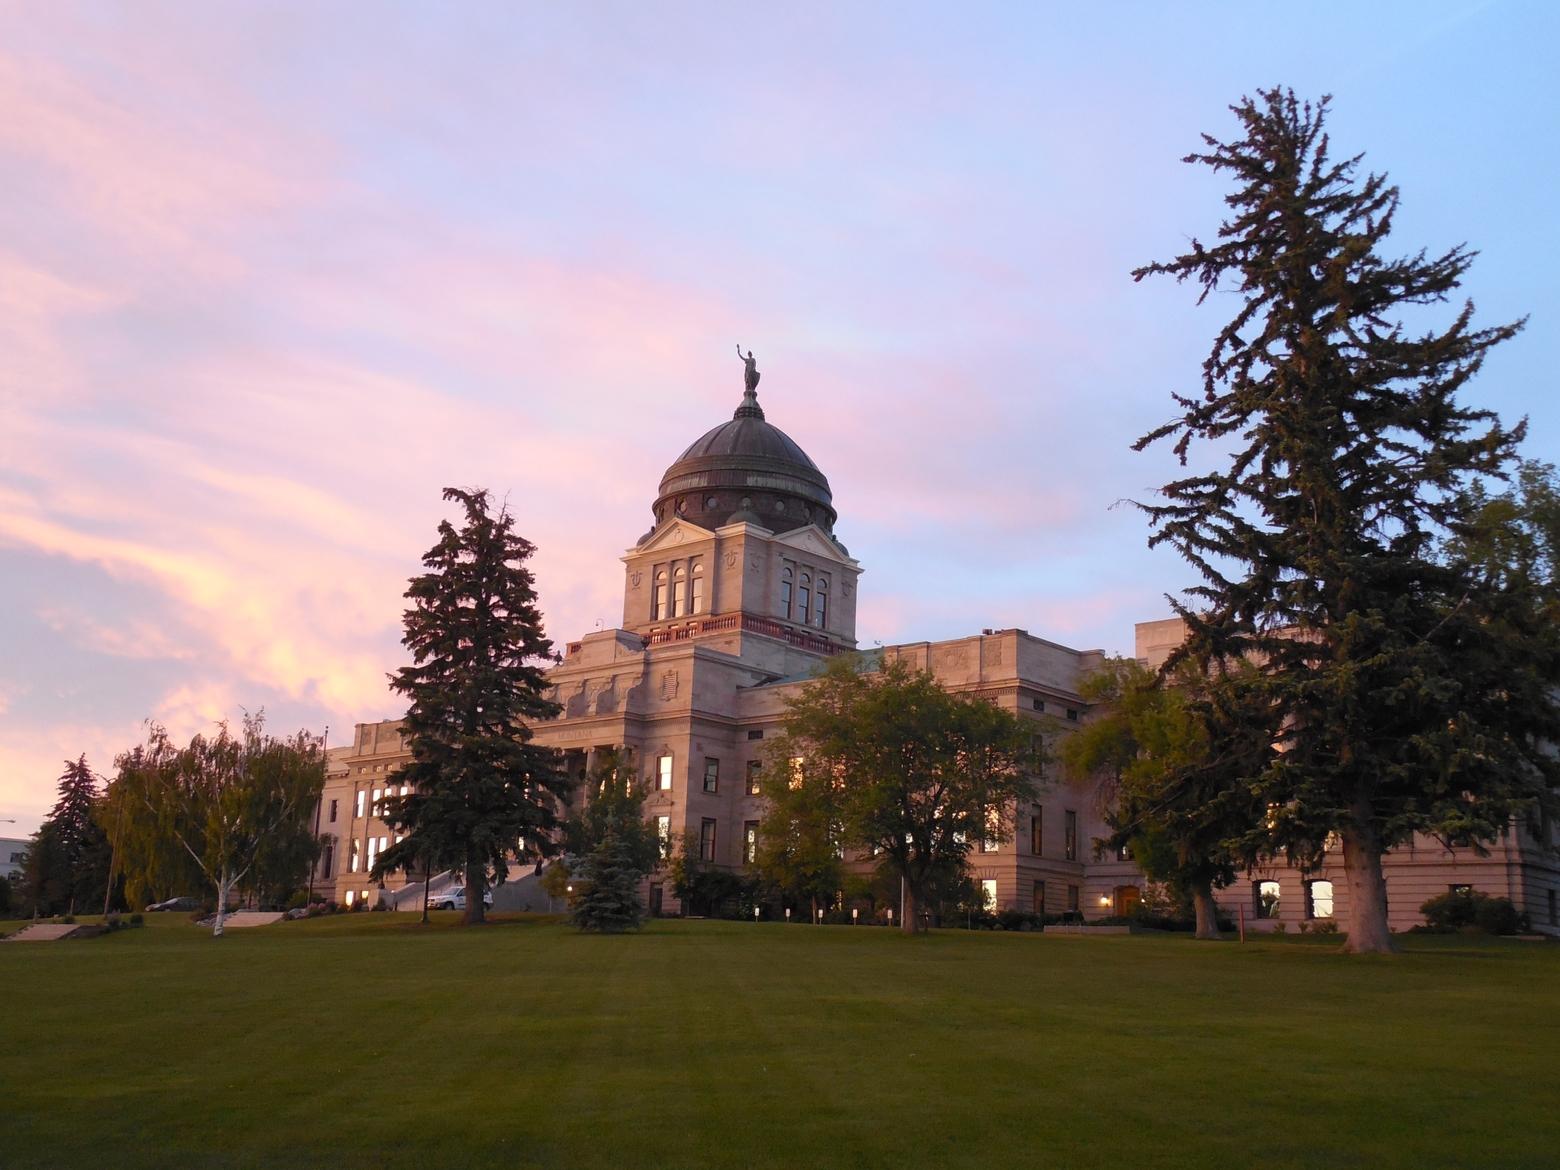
(1473, 910)
(137, 919)
(71, 918)
(298, 901)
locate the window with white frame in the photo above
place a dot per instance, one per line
(696, 595)
(785, 593)
(821, 602)
(660, 603)
(1319, 898)
(679, 591)
(663, 773)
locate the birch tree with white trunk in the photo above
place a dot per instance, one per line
(235, 805)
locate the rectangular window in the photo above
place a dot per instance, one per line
(351, 896)
(327, 858)
(1039, 704)
(373, 851)
(361, 797)
(1072, 898)
(679, 595)
(663, 773)
(697, 604)
(333, 805)
(1072, 713)
(1037, 903)
(785, 598)
(707, 840)
(1265, 898)
(1319, 899)
(663, 835)
(749, 842)
(711, 774)
(374, 805)
(353, 860)
(755, 772)
(821, 604)
(993, 833)
(1070, 835)
(803, 604)
(1037, 834)
(988, 894)
(1123, 853)
(756, 733)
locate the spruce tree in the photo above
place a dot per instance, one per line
(482, 790)
(1323, 544)
(68, 865)
(610, 875)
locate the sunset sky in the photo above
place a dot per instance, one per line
(273, 275)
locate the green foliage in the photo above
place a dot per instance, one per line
(887, 762)
(6, 899)
(67, 862)
(1413, 690)
(1171, 756)
(237, 807)
(1465, 909)
(614, 807)
(483, 792)
(704, 888)
(609, 902)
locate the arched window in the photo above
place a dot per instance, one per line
(679, 592)
(1265, 898)
(785, 593)
(804, 600)
(821, 602)
(696, 598)
(658, 611)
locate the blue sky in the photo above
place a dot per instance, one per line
(271, 276)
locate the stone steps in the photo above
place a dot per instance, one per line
(43, 932)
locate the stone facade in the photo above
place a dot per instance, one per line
(722, 623)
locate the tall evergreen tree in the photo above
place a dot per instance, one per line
(483, 792)
(1322, 544)
(67, 867)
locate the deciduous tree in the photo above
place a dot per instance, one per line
(1321, 543)
(921, 775)
(234, 804)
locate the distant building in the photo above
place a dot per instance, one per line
(13, 854)
(733, 598)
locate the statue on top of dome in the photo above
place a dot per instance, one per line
(750, 375)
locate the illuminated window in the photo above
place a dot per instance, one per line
(1070, 835)
(804, 600)
(988, 894)
(696, 604)
(679, 592)
(373, 851)
(711, 774)
(749, 842)
(993, 833)
(821, 603)
(1264, 898)
(707, 839)
(351, 896)
(663, 835)
(378, 792)
(658, 608)
(361, 797)
(755, 772)
(785, 593)
(353, 861)
(795, 782)
(1319, 899)
(663, 773)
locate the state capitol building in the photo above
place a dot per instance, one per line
(731, 602)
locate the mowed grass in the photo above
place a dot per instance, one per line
(368, 1041)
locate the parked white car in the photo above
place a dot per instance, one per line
(454, 898)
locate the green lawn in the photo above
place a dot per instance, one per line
(367, 1041)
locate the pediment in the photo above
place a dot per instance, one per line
(676, 533)
(812, 539)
